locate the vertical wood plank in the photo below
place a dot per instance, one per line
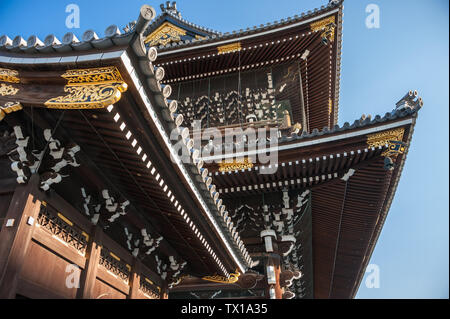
(89, 273)
(15, 240)
(278, 290)
(135, 280)
(164, 291)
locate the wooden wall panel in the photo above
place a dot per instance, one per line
(40, 270)
(105, 291)
(48, 270)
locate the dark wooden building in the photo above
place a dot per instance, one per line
(172, 160)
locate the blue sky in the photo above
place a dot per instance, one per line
(410, 50)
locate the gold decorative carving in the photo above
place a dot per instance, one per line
(393, 140)
(229, 48)
(383, 138)
(90, 89)
(7, 75)
(327, 25)
(233, 278)
(297, 127)
(394, 148)
(235, 165)
(96, 75)
(165, 34)
(9, 107)
(6, 89)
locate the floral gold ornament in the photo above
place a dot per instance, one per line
(233, 278)
(90, 89)
(6, 89)
(229, 48)
(165, 34)
(7, 75)
(235, 165)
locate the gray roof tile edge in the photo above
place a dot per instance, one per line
(253, 30)
(391, 116)
(104, 43)
(155, 24)
(37, 48)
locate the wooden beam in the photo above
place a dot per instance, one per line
(164, 291)
(135, 279)
(15, 239)
(89, 274)
(302, 101)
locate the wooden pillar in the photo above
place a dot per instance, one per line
(135, 280)
(273, 260)
(272, 263)
(15, 239)
(89, 273)
(164, 291)
(278, 290)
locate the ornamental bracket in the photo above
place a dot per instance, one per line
(90, 89)
(164, 35)
(233, 278)
(327, 26)
(8, 76)
(236, 165)
(393, 139)
(9, 107)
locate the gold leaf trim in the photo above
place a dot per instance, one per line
(321, 24)
(65, 219)
(383, 138)
(199, 37)
(90, 89)
(394, 148)
(229, 48)
(10, 107)
(6, 89)
(7, 75)
(165, 34)
(235, 165)
(94, 76)
(234, 277)
(327, 25)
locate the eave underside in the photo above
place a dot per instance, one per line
(319, 71)
(347, 213)
(112, 154)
